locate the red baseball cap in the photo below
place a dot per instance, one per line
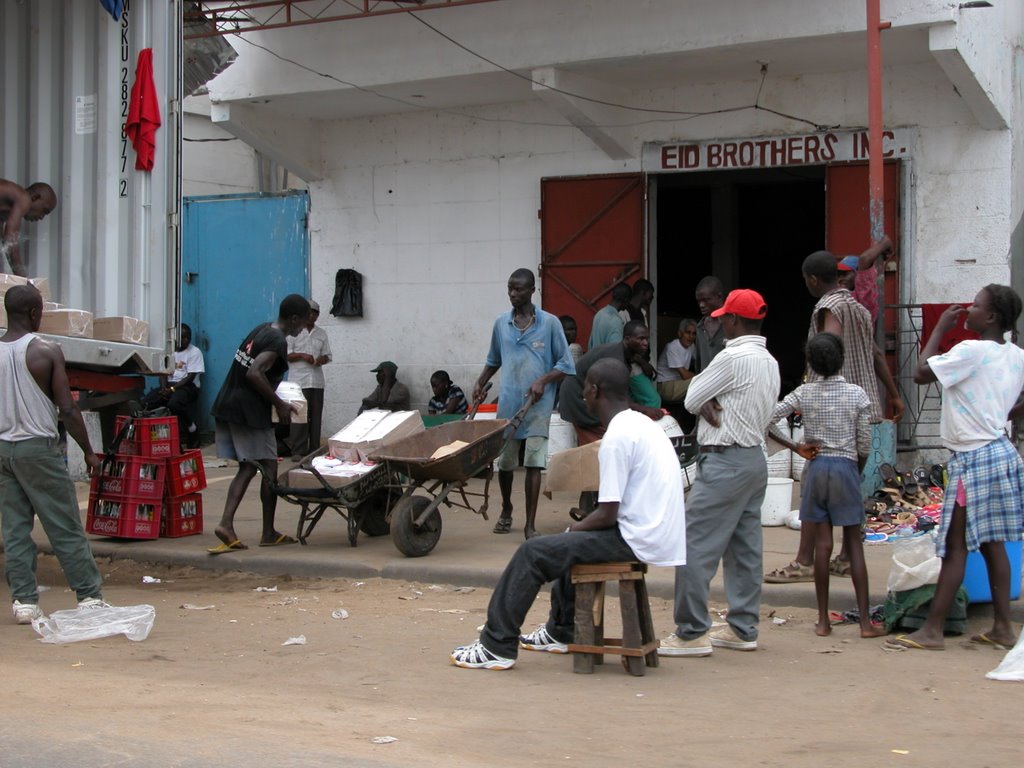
(743, 302)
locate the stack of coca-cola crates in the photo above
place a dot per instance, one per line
(150, 489)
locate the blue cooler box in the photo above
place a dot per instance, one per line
(976, 575)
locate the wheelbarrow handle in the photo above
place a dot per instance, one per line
(478, 401)
(518, 416)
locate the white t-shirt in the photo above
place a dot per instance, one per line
(640, 470)
(674, 356)
(189, 360)
(981, 381)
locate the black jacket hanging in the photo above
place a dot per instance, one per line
(348, 294)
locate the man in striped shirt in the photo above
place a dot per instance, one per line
(735, 396)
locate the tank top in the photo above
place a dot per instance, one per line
(27, 411)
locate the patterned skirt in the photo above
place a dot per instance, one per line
(993, 478)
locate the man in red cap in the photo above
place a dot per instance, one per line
(734, 396)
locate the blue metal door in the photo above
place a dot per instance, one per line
(240, 255)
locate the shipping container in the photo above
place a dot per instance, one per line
(111, 246)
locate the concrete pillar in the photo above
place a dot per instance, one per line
(77, 467)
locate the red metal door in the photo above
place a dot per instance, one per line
(847, 226)
(592, 237)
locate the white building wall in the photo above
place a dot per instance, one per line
(437, 209)
(213, 162)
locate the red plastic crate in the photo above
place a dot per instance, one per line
(185, 473)
(124, 518)
(141, 477)
(150, 436)
(182, 516)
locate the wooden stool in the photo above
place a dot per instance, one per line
(637, 646)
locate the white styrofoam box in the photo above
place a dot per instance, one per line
(291, 393)
(372, 429)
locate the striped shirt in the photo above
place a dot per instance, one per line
(858, 340)
(834, 412)
(744, 379)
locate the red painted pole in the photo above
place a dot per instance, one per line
(876, 187)
(876, 181)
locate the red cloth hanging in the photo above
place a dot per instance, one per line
(930, 314)
(143, 113)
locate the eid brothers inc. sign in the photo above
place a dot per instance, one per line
(772, 151)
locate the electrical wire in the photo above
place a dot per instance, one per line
(755, 105)
(678, 116)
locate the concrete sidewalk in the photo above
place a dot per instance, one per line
(468, 553)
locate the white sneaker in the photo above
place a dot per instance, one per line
(25, 612)
(93, 602)
(726, 638)
(540, 640)
(673, 645)
(476, 656)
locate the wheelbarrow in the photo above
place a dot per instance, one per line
(440, 461)
(363, 503)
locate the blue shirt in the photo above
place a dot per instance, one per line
(606, 327)
(525, 356)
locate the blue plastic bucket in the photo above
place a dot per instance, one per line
(976, 574)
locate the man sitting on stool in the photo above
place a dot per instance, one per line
(180, 390)
(640, 516)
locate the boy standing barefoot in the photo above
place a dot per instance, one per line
(837, 439)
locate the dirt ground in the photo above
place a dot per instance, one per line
(221, 682)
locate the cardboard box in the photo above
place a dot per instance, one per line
(576, 470)
(129, 330)
(371, 430)
(9, 281)
(42, 285)
(67, 322)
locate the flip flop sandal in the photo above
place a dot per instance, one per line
(876, 537)
(921, 476)
(937, 475)
(503, 525)
(889, 474)
(839, 567)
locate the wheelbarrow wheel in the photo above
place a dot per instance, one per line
(410, 539)
(373, 513)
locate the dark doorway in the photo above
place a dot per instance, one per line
(752, 229)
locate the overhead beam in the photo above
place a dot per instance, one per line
(975, 66)
(288, 141)
(227, 17)
(554, 86)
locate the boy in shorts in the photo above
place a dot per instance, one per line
(837, 440)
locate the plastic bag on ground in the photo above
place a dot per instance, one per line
(914, 564)
(1012, 665)
(132, 621)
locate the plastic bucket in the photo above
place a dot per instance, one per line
(976, 575)
(780, 463)
(778, 501)
(561, 435)
(486, 411)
